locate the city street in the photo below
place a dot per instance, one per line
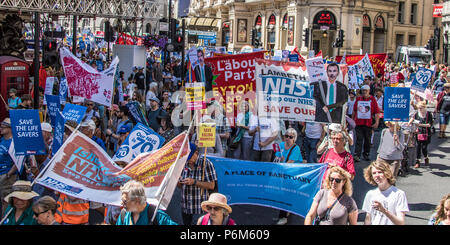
(424, 187)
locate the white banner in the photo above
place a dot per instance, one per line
(316, 69)
(358, 71)
(83, 170)
(84, 81)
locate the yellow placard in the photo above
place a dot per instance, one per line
(195, 96)
(207, 135)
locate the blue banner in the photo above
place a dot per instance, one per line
(396, 104)
(58, 132)
(53, 106)
(293, 57)
(27, 132)
(421, 79)
(74, 112)
(286, 186)
(136, 113)
(141, 139)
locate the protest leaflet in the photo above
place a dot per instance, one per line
(27, 132)
(83, 170)
(141, 139)
(84, 81)
(289, 187)
(396, 104)
(74, 112)
(284, 91)
(195, 96)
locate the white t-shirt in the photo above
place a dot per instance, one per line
(252, 120)
(313, 130)
(393, 199)
(268, 126)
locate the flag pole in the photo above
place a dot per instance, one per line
(178, 157)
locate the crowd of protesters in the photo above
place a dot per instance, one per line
(155, 87)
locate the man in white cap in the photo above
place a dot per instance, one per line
(47, 135)
(7, 166)
(88, 128)
(364, 111)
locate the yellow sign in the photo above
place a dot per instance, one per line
(207, 135)
(195, 96)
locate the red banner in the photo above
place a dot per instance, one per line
(437, 10)
(125, 39)
(377, 60)
(233, 78)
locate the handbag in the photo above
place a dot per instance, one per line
(423, 137)
(317, 220)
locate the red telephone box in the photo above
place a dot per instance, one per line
(14, 73)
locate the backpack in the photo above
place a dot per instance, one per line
(150, 211)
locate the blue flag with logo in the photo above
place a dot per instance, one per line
(141, 139)
(58, 132)
(74, 112)
(27, 132)
(53, 106)
(396, 104)
(421, 79)
(136, 113)
(285, 186)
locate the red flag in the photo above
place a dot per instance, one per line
(319, 54)
(300, 57)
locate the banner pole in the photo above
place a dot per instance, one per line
(203, 171)
(176, 160)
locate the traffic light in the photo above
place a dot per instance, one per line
(178, 43)
(109, 32)
(341, 35)
(306, 37)
(253, 37)
(437, 37)
(173, 28)
(430, 44)
(49, 53)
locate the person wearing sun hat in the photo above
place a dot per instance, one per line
(20, 200)
(7, 166)
(218, 211)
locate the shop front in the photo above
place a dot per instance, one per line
(324, 33)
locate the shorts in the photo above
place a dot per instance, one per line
(444, 118)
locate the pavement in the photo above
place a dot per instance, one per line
(424, 187)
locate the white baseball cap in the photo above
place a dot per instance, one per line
(46, 127)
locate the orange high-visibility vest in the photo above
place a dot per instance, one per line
(71, 211)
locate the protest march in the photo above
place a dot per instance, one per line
(295, 136)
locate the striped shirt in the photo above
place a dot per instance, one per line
(191, 199)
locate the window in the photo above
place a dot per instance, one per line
(414, 13)
(401, 12)
(412, 40)
(399, 39)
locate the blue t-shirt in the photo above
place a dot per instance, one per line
(161, 217)
(295, 154)
(14, 103)
(6, 161)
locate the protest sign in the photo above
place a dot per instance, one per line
(136, 112)
(396, 104)
(207, 135)
(421, 79)
(27, 132)
(140, 140)
(289, 187)
(316, 69)
(83, 170)
(84, 81)
(195, 96)
(54, 106)
(18, 160)
(359, 71)
(58, 132)
(74, 112)
(293, 58)
(49, 83)
(377, 60)
(284, 91)
(234, 80)
(63, 91)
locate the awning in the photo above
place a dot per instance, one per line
(192, 21)
(203, 22)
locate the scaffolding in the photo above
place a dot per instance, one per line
(121, 9)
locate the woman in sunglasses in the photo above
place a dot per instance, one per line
(289, 151)
(218, 211)
(44, 210)
(334, 205)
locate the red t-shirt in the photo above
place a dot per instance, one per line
(332, 158)
(364, 109)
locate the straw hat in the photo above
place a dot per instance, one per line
(217, 199)
(21, 189)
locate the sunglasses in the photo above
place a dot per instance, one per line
(335, 179)
(37, 214)
(289, 136)
(209, 208)
(90, 104)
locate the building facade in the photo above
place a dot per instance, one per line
(372, 26)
